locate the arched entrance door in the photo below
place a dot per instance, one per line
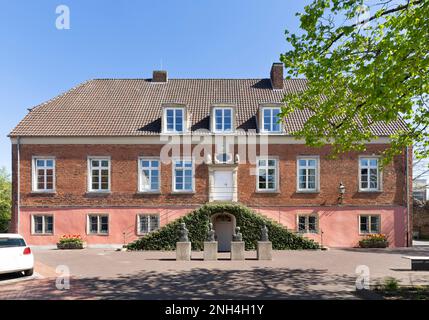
(224, 224)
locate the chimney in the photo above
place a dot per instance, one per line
(159, 76)
(276, 75)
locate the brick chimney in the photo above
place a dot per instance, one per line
(159, 76)
(276, 75)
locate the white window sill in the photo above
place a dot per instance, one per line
(268, 191)
(98, 234)
(42, 234)
(370, 191)
(307, 191)
(43, 192)
(148, 192)
(183, 192)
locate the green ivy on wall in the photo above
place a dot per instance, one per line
(197, 222)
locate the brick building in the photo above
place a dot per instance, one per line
(114, 159)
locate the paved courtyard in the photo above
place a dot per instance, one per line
(109, 274)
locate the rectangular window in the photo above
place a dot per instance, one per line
(267, 175)
(43, 174)
(223, 119)
(307, 223)
(99, 172)
(183, 175)
(149, 175)
(369, 224)
(43, 224)
(307, 174)
(98, 224)
(148, 223)
(174, 120)
(369, 174)
(270, 118)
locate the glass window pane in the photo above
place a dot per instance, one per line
(312, 163)
(373, 162)
(95, 163)
(49, 163)
(302, 162)
(364, 162)
(144, 227)
(154, 222)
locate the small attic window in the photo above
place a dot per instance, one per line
(174, 119)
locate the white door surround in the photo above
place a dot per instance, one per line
(223, 182)
(224, 225)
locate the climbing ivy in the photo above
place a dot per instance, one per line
(197, 223)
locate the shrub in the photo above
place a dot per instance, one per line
(197, 223)
(374, 241)
(391, 284)
(70, 242)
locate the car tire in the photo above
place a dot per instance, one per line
(28, 272)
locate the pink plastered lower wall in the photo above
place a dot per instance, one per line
(340, 225)
(122, 223)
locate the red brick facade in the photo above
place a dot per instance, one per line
(71, 182)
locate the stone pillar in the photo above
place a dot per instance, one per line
(210, 250)
(237, 250)
(183, 251)
(264, 251)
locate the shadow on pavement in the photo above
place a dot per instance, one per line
(258, 283)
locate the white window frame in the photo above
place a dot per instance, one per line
(140, 175)
(266, 167)
(165, 129)
(148, 216)
(317, 174)
(379, 175)
(34, 174)
(88, 224)
(173, 166)
(307, 224)
(231, 130)
(262, 129)
(89, 169)
(44, 233)
(369, 218)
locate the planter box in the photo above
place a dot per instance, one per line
(373, 244)
(70, 245)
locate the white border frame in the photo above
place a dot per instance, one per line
(379, 171)
(89, 173)
(164, 119)
(33, 233)
(277, 180)
(139, 173)
(369, 215)
(261, 129)
(34, 173)
(98, 224)
(307, 224)
(213, 119)
(173, 175)
(138, 231)
(309, 157)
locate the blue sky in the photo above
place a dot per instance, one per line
(129, 39)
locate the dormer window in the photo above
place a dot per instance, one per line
(270, 119)
(222, 119)
(174, 120)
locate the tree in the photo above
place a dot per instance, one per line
(5, 200)
(365, 63)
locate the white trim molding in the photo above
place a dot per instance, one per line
(89, 174)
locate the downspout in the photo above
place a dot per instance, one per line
(18, 184)
(408, 194)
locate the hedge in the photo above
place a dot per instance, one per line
(197, 222)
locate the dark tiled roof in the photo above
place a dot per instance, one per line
(132, 107)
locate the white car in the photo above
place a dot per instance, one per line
(15, 255)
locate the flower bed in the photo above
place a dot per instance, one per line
(70, 242)
(374, 241)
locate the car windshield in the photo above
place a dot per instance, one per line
(11, 242)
